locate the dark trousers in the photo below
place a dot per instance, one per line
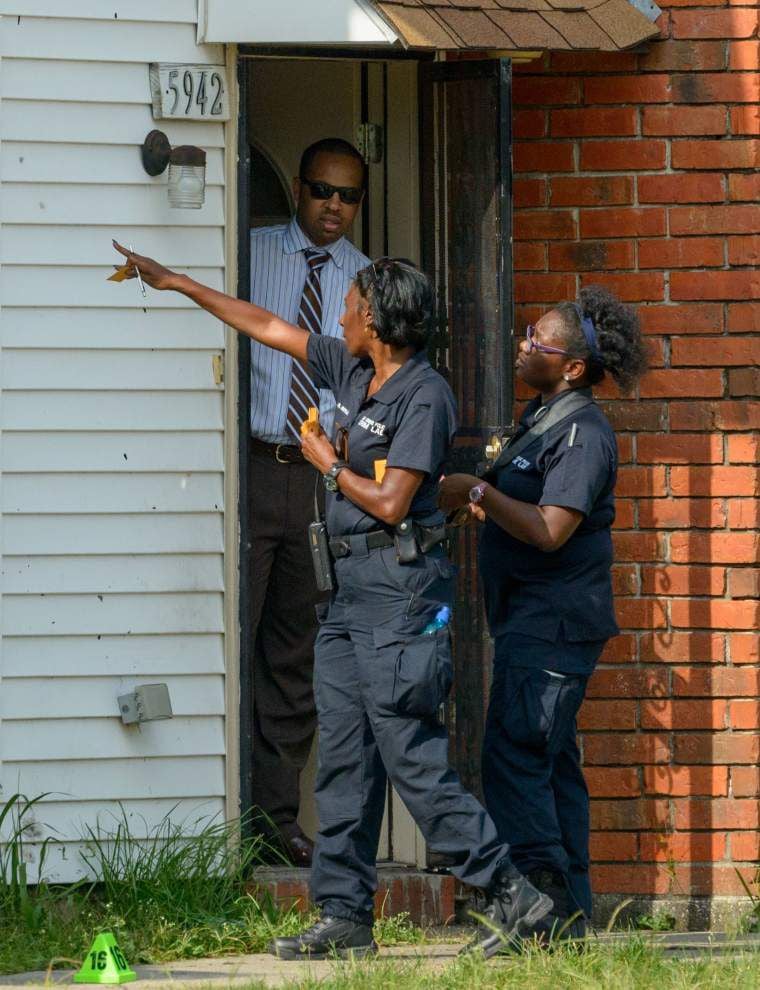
(532, 779)
(283, 624)
(379, 684)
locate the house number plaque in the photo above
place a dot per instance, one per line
(189, 92)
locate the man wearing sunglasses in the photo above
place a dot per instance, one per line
(301, 271)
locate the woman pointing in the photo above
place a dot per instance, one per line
(382, 656)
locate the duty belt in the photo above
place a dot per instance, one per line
(361, 543)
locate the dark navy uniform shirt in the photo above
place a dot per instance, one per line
(408, 423)
(538, 601)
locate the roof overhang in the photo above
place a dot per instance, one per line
(294, 22)
(445, 25)
(590, 25)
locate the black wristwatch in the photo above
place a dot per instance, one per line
(330, 477)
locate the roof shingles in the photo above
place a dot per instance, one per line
(528, 25)
(529, 30)
(475, 28)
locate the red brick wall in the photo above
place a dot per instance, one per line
(639, 171)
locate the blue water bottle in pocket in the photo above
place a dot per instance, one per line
(440, 621)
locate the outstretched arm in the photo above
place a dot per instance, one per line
(249, 319)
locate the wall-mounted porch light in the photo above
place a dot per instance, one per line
(187, 169)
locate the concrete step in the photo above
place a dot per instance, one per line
(428, 898)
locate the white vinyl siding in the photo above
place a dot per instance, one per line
(112, 454)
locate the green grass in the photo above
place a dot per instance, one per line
(657, 921)
(165, 897)
(634, 966)
(172, 897)
(397, 929)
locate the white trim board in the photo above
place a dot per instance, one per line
(292, 22)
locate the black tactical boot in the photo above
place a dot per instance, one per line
(515, 905)
(565, 921)
(327, 939)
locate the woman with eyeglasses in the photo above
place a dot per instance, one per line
(382, 657)
(545, 557)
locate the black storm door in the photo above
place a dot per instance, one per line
(465, 161)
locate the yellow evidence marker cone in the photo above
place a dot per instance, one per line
(105, 963)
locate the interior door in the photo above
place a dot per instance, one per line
(465, 159)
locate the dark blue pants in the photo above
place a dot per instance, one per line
(532, 779)
(378, 684)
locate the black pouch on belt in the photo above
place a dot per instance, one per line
(430, 536)
(406, 542)
(320, 549)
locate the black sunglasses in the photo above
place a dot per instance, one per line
(350, 195)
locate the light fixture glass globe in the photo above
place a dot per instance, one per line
(187, 186)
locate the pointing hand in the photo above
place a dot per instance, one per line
(153, 274)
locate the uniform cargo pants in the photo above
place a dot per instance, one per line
(378, 686)
(532, 779)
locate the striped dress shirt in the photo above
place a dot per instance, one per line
(278, 274)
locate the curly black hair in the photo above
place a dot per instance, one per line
(402, 301)
(621, 348)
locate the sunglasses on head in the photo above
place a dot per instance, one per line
(350, 195)
(533, 344)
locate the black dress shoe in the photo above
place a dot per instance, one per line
(515, 905)
(299, 848)
(327, 939)
(287, 846)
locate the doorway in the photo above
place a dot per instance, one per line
(439, 192)
(286, 104)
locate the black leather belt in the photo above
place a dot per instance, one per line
(344, 546)
(283, 453)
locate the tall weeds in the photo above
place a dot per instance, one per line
(178, 890)
(192, 869)
(16, 822)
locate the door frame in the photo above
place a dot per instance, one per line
(239, 693)
(472, 650)
(231, 603)
(432, 259)
(238, 629)
(242, 290)
(241, 738)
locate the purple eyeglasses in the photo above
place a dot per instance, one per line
(533, 344)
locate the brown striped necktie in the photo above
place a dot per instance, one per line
(303, 391)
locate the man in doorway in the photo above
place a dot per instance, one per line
(301, 271)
